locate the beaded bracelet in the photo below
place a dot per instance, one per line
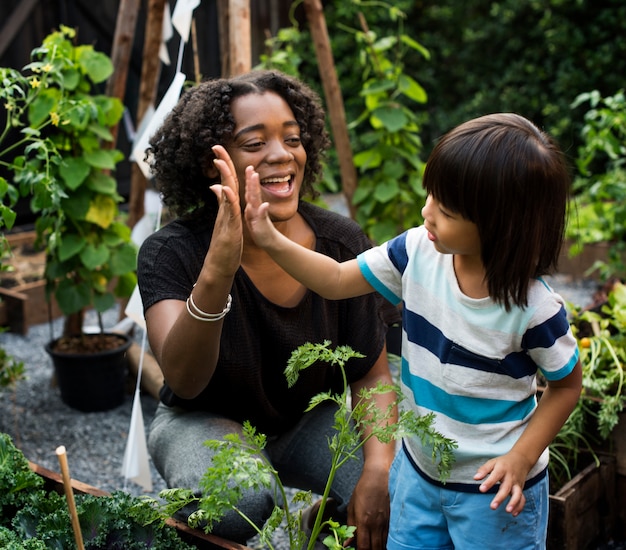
(207, 317)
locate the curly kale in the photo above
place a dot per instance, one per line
(32, 518)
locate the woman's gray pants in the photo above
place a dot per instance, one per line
(301, 457)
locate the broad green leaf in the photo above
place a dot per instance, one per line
(94, 256)
(386, 191)
(365, 160)
(71, 79)
(74, 170)
(72, 297)
(103, 302)
(97, 65)
(123, 259)
(392, 118)
(410, 88)
(126, 284)
(70, 246)
(40, 108)
(103, 159)
(103, 184)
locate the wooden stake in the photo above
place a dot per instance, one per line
(330, 82)
(69, 495)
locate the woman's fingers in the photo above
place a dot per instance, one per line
(225, 165)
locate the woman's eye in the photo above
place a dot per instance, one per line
(293, 140)
(253, 144)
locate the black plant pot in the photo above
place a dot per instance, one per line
(92, 382)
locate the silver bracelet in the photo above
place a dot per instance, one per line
(207, 317)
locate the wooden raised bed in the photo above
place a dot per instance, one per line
(583, 511)
(195, 537)
(23, 300)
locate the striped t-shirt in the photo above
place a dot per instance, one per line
(468, 360)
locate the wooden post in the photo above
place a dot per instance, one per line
(120, 53)
(150, 71)
(239, 36)
(223, 25)
(14, 23)
(334, 100)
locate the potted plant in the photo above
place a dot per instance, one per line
(65, 167)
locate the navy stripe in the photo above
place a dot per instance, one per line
(469, 487)
(423, 333)
(396, 250)
(548, 332)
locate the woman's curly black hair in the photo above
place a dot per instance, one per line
(180, 150)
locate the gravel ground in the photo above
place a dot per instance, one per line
(38, 421)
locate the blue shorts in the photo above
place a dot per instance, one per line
(425, 516)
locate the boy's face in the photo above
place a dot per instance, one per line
(450, 232)
(267, 137)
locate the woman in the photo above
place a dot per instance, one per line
(223, 317)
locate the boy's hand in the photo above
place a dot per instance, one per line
(257, 213)
(510, 471)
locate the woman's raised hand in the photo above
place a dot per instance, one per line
(227, 240)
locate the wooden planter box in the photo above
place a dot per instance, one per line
(576, 266)
(195, 537)
(584, 510)
(24, 304)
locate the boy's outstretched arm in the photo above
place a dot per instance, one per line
(330, 279)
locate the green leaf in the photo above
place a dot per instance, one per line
(370, 158)
(103, 302)
(74, 170)
(124, 259)
(410, 88)
(126, 284)
(76, 205)
(101, 183)
(70, 246)
(40, 108)
(103, 159)
(71, 78)
(405, 39)
(97, 65)
(391, 117)
(386, 191)
(72, 297)
(94, 256)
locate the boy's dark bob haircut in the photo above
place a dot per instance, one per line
(511, 179)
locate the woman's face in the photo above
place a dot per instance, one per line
(267, 137)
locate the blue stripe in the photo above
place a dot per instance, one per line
(376, 282)
(563, 371)
(396, 250)
(545, 334)
(469, 410)
(424, 334)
